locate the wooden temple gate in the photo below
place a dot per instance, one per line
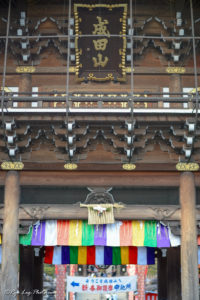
(132, 126)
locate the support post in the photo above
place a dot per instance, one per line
(189, 263)
(10, 250)
(162, 275)
(38, 270)
(26, 273)
(173, 274)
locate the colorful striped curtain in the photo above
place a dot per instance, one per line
(138, 233)
(99, 255)
(75, 233)
(63, 232)
(80, 233)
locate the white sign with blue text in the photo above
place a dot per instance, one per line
(101, 285)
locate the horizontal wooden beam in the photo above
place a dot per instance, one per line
(129, 212)
(99, 178)
(137, 70)
(77, 178)
(98, 166)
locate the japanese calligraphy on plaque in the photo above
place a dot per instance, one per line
(100, 41)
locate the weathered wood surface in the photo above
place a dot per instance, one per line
(173, 274)
(10, 251)
(31, 273)
(38, 275)
(78, 178)
(70, 211)
(96, 165)
(26, 273)
(162, 275)
(189, 263)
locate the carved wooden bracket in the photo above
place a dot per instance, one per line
(163, 213)
(35, 212)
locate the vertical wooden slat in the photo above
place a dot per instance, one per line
(175, 86)
(10, 250)
(38, 275)
(162, 275)
(189, 263)
(25, 86)
(26, 273)
(173, 274)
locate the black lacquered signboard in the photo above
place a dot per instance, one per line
(100, 56)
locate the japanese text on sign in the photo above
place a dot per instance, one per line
(100, 45)
(101, 284)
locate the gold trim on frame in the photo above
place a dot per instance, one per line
(70, 166)
(109, 76)
(25, 69)
(6, 89)
(128, 70)
(9, 165)
(187, 167)
(72, 69)
(175, 70)
(129, 167)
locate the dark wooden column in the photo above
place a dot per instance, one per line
(189, 263)
(175, 83)
(26, 273)
(162, 275)
(175, 86)
(10, 250)
(25, 85)
(38, 275)
(173, 274)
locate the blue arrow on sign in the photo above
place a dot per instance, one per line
(75, 283)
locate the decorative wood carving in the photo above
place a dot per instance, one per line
(35, 212)
(99, 195)
(129, 212)
(160, 213)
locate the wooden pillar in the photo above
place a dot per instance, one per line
(10, 250)
(173, 274)
(26, 273)
(38, 275)
(189, 263)
(162, 275)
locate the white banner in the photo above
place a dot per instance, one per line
(101, 285)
